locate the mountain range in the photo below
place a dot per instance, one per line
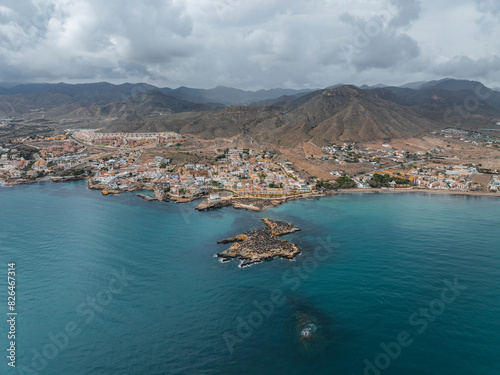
(280, 116)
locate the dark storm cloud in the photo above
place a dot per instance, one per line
(79, 40)
(377, 43)
(248, 44)
(465, 67)
(385, 51)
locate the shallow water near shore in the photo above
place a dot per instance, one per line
(139, 281)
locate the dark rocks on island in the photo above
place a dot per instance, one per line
(261, 244)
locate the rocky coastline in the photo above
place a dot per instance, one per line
(261, 244)
(147, 197)
(253, 204)
(186, 199)
(20, 181)
(207, 204)
(68, 178)
(247, 203)
(105, 189)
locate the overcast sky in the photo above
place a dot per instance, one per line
(249, 44)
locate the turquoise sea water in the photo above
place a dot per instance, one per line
(118, 285)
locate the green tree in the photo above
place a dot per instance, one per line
(379, 180)
(344, 182)
(382, 180)
(324, 185)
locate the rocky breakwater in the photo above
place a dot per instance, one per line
(252, 204)
(261, 244)
(68, 178)
(208, 204)
(256, 204)
(187, 198)
(161, 193)
(20, 181)
(147, 197)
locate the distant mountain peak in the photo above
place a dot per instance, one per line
(452, 84)
(343, 90)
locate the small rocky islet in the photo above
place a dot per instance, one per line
(261, 244)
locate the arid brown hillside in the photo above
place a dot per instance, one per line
(345, 114)
(56, 106)
(350, 114)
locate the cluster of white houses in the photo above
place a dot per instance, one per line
(128, 139)
(166, 135)
(254, 176)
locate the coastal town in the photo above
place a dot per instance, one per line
(247, 178)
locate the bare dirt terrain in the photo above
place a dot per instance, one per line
(455, 152)
(482, 179)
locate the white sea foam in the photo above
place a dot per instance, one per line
(242, 265)
(308, 330)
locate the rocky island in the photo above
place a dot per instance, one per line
(261, 244)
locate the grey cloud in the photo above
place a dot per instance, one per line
(488, 6)
(377, 44)
(490, 15)
(155, 29)
(408, 11)
(349, 19)
(248, 13)
(386, 51)
(75, 39)
(23, 23)
(247, 44)
(465, 67)
(150, 17)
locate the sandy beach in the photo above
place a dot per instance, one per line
(421, 191)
